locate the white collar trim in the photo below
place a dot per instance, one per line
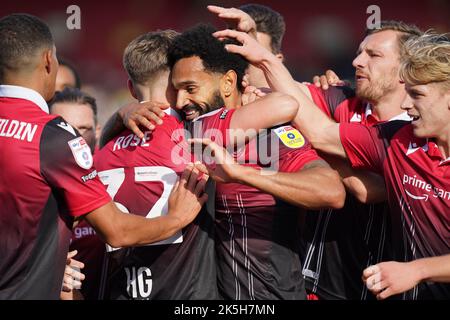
(402, 116)
(24, 93)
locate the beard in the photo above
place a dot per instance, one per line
(376, 89)
(214, 103)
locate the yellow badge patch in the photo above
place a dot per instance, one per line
(290, 137)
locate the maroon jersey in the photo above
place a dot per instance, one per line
(417, 181)
(140, 175)
(91, 251)
(256, 234)
(330, 269)
(47, 178)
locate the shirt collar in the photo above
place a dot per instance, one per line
(402, 116)
(8, 91)
(433, 151)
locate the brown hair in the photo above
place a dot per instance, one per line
(146, 55)
(267, 21)
(407, 31)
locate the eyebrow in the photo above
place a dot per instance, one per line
(186, 83)
(368, 50)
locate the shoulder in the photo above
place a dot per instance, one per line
(397, 129)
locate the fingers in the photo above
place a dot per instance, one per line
(76, 264)
(331, 76)
(316, 81)
(192, 181)
(185, 175)
(385, 294)
(324, 82)
(202, 168)
(71, 254)
(239, 36)
(215, 9)
(203, 199)
(375, 284)
(370, 271)
(135, 128)
(200, 186)
(245, 80)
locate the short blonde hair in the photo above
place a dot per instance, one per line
(146, 55)
(426, 59)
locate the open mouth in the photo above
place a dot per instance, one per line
(191, 113)
(414, 117)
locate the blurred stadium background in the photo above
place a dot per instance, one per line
(320, 34)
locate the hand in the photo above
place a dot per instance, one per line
(250, 48)
(219, 164)
(236, 19)
(146, 114)
(72, 276)
(251, 94)
(187, 196)
(329, 79)
(389, 278)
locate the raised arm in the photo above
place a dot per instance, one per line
(321, 131)
(271, 110)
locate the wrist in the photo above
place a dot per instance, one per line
(420, 270)
(242, 174)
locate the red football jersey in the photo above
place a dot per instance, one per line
(257, 236)
(330, 269)
(140, 175)
(417, 181)
(47, 177)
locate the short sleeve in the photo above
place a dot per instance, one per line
(363, 145)
(67, 165)
(330, 101)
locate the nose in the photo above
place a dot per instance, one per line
(181, 100)
(359, 61)
(407, 103)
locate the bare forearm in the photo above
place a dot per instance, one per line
(436, 269)
(121, 230)
(366, 186)
(313, 188)
(112, 128)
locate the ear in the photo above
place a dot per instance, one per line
(98, 131)
(132, 89)
(280, 56)
(228, 83)
(48, 61)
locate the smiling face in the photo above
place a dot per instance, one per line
(198, 91)
(377, 66)
(429, 106)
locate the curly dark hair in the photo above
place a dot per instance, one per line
(199, 41)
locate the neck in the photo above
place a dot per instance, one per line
(389, 106)
(31, 81)
(443, 143)
(233, 101)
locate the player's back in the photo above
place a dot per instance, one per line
(34, 235)
(140, 175)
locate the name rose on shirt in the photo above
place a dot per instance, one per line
(131, 140)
